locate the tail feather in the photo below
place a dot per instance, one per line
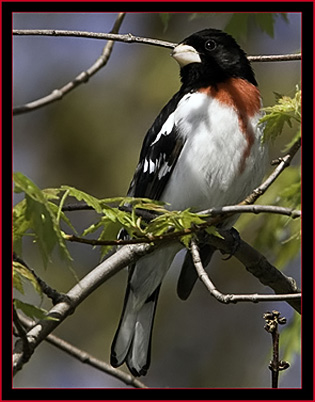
(132, 342)
(139, 355)
(125, 331)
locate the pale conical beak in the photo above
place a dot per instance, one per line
(185, 54)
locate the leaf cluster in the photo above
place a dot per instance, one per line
(286, 111)
(40, 215)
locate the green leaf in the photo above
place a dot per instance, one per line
(40, 217)
(239, 23)
(20, 225)
(61, 215)
(21, 272)
(109, 232)
(17, 281)
(285, 111)
(82, 196)
(32, 311)
(186, 240)
(266, 22)
(165, 18)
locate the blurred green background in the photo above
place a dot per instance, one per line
(91, 139)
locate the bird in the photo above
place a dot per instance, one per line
(203, 150)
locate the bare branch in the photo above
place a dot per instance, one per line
(86, 358)
(127, 38)
(232, 298)
(258, 265)
(82, 78)
(253, 209)
(130, 38)
(275, 57)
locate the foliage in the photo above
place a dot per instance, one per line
(40, 215)
(112, 218)
(239, 23)
(37, 212)
(283, 112)
(279, 237)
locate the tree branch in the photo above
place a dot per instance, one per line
(82, 78)
(276, 365)
(258, 265)
(86, 358)
(216, 213)
(130, 38)
(275, 57)
(232, 298)
(253, 209)
(126, 38)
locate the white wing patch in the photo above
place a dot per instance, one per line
(148, 166)
(166, 128)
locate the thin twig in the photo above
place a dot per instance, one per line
(130, 38)
(284, 162)
(233, 298)
(82, 78)
(87, 358)
(258, 265)
(273, 319)
(275, 57)
(253, 209)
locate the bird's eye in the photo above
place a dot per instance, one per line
(210, 44)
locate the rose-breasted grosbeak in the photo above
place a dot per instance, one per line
(203, 150)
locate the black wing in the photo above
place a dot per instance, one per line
(160, 151)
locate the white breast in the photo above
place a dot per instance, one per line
(208, 172)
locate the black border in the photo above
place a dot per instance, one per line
(306, 393)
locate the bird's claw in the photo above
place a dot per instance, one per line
(233, 237)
